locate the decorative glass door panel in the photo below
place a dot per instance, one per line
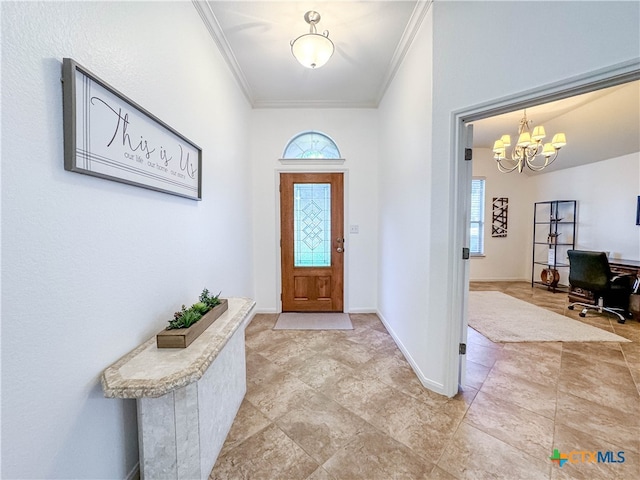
(312, 224)
(312, 241)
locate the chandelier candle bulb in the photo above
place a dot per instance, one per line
(559, 140)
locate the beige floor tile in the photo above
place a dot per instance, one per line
(597, 352)
(269, 454)
(605, 383)
(473, 454)
(506, 421)
(278, 397)
(260, 370)
(631, 353)
(483, 355)
(521, 391)
(372, 455)
(396, 372)
(603, 422)
(359, 394)
(321, 370)
(540, 363)
(351, 354)
(476, 374)
(320, 426)
(248, 422)
(321, 474)
(439, 474)
(288, 355)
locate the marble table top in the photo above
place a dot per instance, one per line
(148, 371)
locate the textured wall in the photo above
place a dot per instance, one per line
(91, 268)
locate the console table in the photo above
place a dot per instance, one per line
(187, 398)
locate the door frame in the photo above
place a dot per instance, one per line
(458, 287)
(345, 206)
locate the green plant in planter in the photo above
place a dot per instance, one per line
(188, 316)
(209, 300)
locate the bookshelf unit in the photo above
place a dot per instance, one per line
(554, 233)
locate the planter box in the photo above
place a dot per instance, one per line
(182, 337)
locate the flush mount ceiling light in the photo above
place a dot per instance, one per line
(529, 149)
(312, 49)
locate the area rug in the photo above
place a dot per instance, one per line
(313, 321)
(502, 318)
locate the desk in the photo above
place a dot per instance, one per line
(625, 266)
(618, 267)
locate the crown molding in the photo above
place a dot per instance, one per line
(313, 104)
(210, 21)
(413, 25)
(408, 36)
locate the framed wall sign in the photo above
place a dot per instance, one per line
(109, 136)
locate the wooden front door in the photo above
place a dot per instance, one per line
(312, 241)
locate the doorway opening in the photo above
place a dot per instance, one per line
(461, 181)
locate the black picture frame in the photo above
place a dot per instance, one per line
(108, 135)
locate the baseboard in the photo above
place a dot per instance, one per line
(430, 384)
(134, 474)
(500, 280)
(267, 310)
(351, 310)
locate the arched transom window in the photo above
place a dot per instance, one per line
(311, 145)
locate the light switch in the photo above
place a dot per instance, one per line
(354, 229)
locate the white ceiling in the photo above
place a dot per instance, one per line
(599, 125)
(371, 38)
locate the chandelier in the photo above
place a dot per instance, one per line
(312, 49)
(529, 150)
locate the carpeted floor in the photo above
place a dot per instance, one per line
(503, 318)
(313, 321)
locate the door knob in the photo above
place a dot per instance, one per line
(339, 250)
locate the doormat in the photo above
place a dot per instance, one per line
(313, 321)
(502, 318)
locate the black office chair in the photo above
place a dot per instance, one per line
(590, 271)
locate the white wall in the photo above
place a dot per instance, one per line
(607, 193)
(355, 133)
(92, 268)
(406, 209)
(506, 258)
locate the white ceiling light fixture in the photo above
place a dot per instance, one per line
(312, 49)
(529, 149)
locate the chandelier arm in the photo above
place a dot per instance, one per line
(504, 169)
(547, 162)
(517, 154)
(555, 155)
(533, 150)
(537, 168)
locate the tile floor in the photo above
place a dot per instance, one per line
(346, 405)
